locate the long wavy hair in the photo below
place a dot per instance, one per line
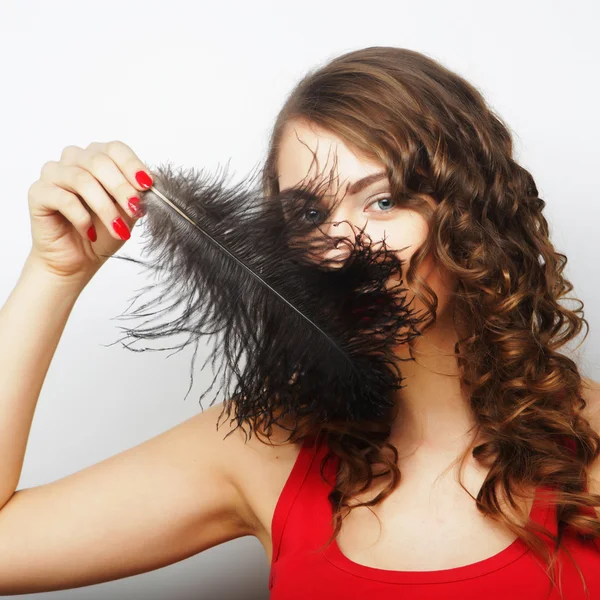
(436, 136)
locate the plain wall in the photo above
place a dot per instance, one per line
(200, 83)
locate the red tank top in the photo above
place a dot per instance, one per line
(301, 570)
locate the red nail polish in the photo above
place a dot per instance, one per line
(121, 229)
(133, 204)
(92, 234)
(143, 179)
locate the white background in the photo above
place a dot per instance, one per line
(199, 83)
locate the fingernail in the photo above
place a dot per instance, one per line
(143, 179)
(121, 229)
(91, 233)
(133, 204)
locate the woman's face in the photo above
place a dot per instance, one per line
(364, 202)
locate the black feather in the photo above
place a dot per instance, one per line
(315, 335)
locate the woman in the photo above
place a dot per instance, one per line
(491, 451)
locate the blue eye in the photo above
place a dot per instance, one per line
(388, 198)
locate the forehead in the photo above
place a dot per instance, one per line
(307, 152)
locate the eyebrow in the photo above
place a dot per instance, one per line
(360, 184)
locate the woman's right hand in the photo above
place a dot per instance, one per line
(80, 207)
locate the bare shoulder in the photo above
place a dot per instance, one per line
(591, 394)
(259, 468)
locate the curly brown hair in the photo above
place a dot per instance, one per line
(436, 136)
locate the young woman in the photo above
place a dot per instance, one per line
(491, 452)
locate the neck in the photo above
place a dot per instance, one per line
(433, 415)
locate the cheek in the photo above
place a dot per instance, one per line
(404, 233)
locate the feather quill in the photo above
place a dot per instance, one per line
(298, 335)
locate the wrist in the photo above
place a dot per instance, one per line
(71, 284)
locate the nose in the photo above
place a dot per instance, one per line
(338, 231)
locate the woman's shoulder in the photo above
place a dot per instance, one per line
(591, 395)
(591, 413)
(261, 470)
